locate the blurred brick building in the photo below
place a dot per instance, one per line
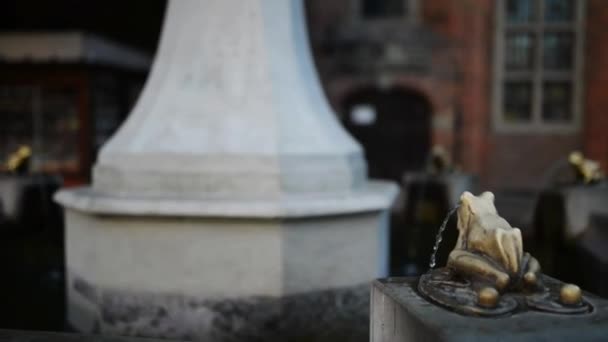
(509, 87)
(64, 94)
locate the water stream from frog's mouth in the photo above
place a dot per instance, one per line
(439, 235)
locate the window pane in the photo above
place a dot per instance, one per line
(521, 11)
(16, 126)
(557, 105)
(58, 131)
(517, 101)
(383, 8)
(557, 50)
(559, 10)
(44, 119)
(519, 49)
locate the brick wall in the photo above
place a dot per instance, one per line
(468, 25)
(462, 101)
(596, 82)
(524, 161)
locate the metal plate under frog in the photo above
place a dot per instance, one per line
(549, 300)
(489, 274)
(443, 287)
(440, 286)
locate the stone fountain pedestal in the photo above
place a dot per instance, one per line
(231, 205)
(400, 313)
(175, 269)
(562, 216)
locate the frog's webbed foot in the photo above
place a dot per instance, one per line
(531, 271)
(478, 267)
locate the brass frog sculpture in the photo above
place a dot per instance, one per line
(489, 274)
(488, 248)
(588, 171)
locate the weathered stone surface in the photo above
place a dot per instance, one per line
(374, 196)
(253, 263)
(400, 313)
(230, 179)
(231, 111)
(37, 336)
(224, 257)
(340, 314)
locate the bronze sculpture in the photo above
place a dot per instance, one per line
(587, 171)
(18, 161)
(489, 274)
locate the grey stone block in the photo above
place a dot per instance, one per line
(38, 336)
(400, 313)
(339, 314)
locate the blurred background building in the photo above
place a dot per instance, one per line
(507, 87)
(70, 72)
(64, 94)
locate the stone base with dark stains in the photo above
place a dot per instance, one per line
(340, 314)
(46, 336)
(400, 313)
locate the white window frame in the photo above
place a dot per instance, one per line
(538, 75)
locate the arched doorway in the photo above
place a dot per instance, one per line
(393, 126)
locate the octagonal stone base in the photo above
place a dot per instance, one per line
(279, 275)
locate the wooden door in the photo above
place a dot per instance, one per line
(393, 126)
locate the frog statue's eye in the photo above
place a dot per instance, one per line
(467, 203)
(465, 198)
(488, 195)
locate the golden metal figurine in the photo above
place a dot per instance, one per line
(587, 170)
(488, 248)
(440, 161)
(18, 159)
(489, 274)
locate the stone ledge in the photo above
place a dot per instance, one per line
(399, 313)
(33, 336)
(375, 196)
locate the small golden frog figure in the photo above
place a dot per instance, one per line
(488, 273)
(488, 249)
(439, 161)
(18, 161)
(588, 171)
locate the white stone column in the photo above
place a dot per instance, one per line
(231, 197)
